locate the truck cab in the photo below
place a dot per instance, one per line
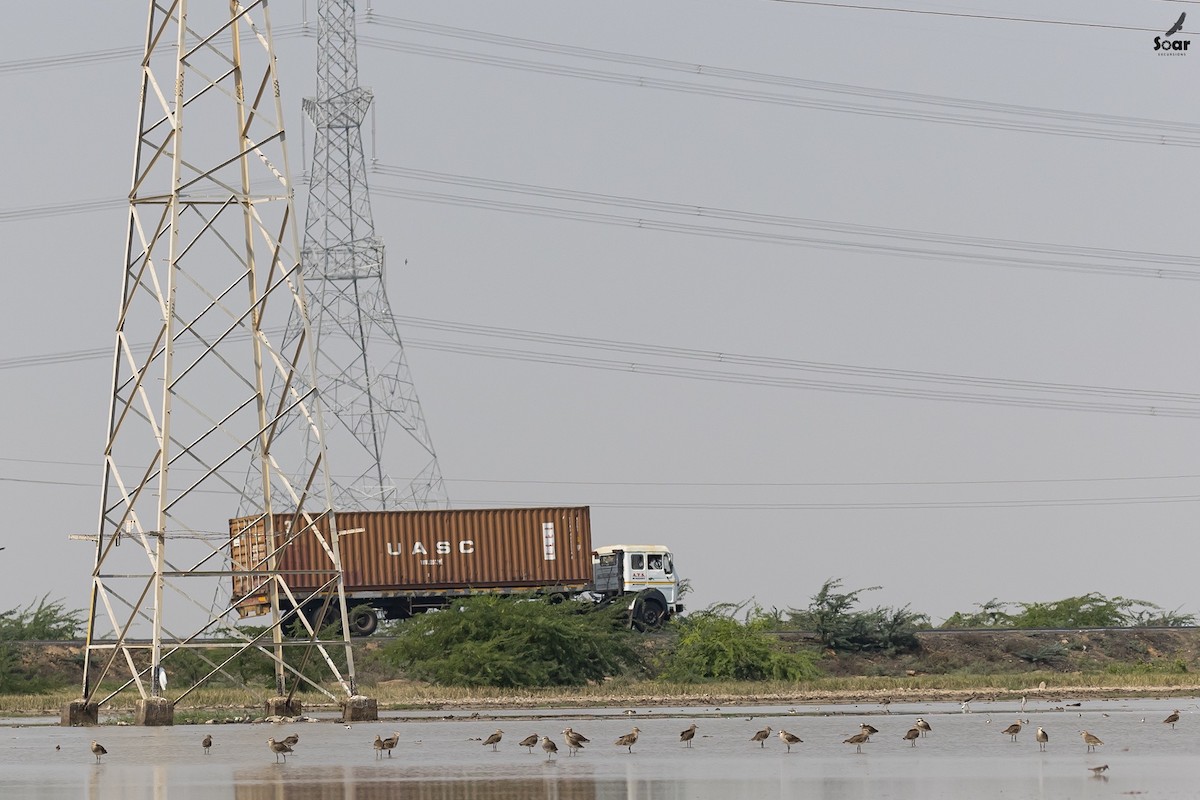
(643, 572)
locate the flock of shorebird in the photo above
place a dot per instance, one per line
(575, 741)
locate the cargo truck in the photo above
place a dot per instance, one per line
(399, 563)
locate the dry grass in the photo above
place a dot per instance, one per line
(398, 695)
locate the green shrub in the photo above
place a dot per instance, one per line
(832, 617)
(515, 642)
(714, 645)
(39, 621)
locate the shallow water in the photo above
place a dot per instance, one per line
(965, 756)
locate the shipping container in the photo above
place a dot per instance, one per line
(420, 554)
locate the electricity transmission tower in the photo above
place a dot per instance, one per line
(385, 457)
(209, 414)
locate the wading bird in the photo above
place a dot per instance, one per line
(494, 739)
(1172, 718)
(923, 726)
(628, 739)
(390, 742)
(1091, 740)
(550, 747)
(687, 734)
(206, 743)
(279, 749)
(790, 739)
(291, 739)
(857, 740)
(1013, 730)
(529, 741)
(98, 749)
(574, 741)
(1099, 771)
(911, 735)
(761, 736)
(378, 746)
(1042, 737)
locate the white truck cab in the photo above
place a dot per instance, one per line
(646, 572)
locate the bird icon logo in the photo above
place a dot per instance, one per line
(1178, 26)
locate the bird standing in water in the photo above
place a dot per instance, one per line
(687, 734)
(1172, 718)
(206, 743)
(761, 736)
(1013, 730)
(550, 747)
(790, 739)
(494, 739)
(529, 741)
(98, 750)
(1042, 737)
(629, 739)
(279, 749)
(1091, 740)
(857, 740)
(912, 734)
(923, 726)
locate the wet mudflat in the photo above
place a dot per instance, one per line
(966, 755)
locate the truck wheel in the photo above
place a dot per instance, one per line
(648, 614)
(363, 621)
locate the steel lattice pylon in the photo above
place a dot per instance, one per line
(211, 277)
(385, 457)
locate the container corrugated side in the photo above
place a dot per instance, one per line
(412, 551)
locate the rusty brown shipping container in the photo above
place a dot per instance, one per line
(393, 553)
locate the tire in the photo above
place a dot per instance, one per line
(648, 614)
(363, 621)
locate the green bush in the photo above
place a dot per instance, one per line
(832, 617)
(515, 642)
(1092, 610)
(714, 645)
(39, 621)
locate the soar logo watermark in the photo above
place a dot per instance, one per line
(1166, 46)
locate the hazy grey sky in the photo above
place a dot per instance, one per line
(762, 484)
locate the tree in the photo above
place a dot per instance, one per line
(1092, 610)
(515, 642)
(715, 645)
(39, 621)
(832, 617)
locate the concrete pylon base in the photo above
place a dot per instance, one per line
(281, 707)
(79, 712)
(154, 711)
(360, 709)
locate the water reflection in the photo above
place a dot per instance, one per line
(360, 783)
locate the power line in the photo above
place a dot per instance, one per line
(130, 55)
(963, 15)
(787, 382)
(750, 76)
(790, 100)
(886, 381)
(768, 485)
(771, 237)
(989, 249)
(766, 506)
(909, 243)
(727, 358)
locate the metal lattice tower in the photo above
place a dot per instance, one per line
(211, 276)
(385, 457)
